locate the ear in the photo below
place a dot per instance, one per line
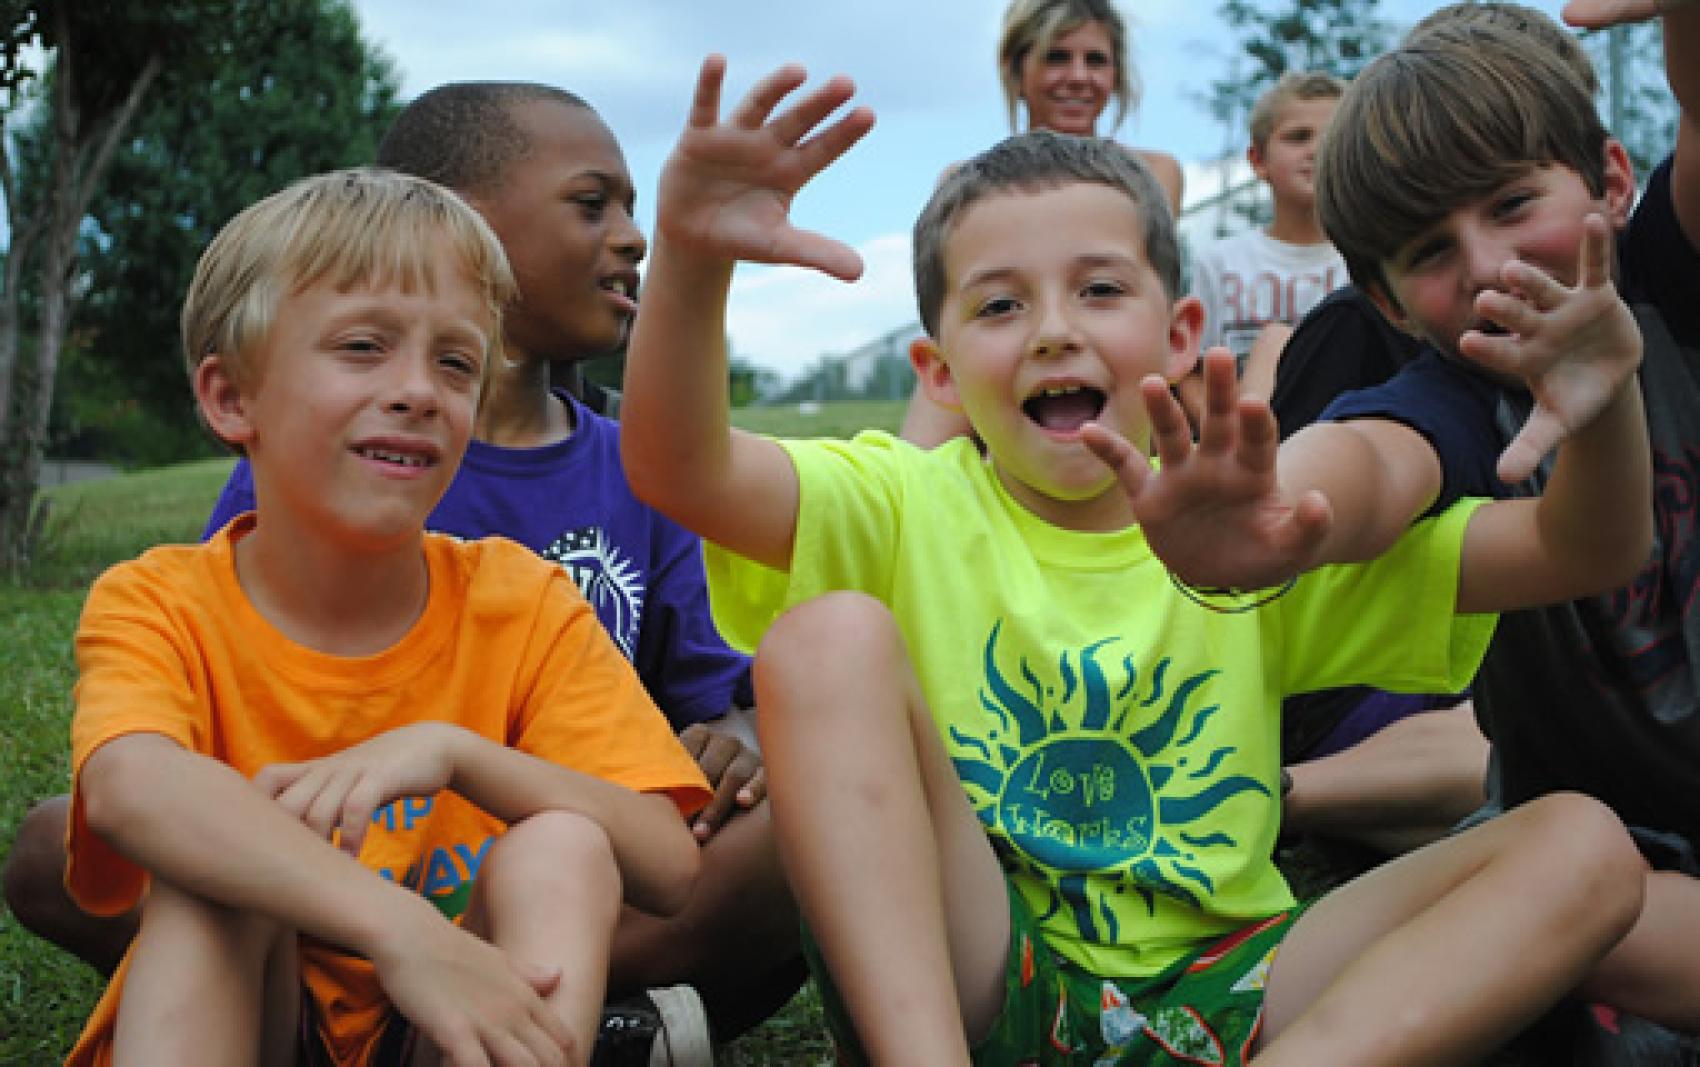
(1186, 326)
(933, 373)
(1619, 193)
(223, 406)
(1259, 165)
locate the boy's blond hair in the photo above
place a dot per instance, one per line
(1027, 163)
(1295, 85)
(1445, 119)
(348, 228)
(1034, 25)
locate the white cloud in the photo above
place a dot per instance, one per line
(784, 318)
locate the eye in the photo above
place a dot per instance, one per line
(1424, 252)
(461, 363)
(360, 345)
(1513, 202)
(1098, 60)
(1102, 289)
(1057, 57)
(592, 205)
(996, 307)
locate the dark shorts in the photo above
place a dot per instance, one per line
(1314, 725)
(1206, 1008)
(395, 1044)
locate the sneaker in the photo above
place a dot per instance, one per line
(656, 1028)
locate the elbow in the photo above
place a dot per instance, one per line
(112, 781)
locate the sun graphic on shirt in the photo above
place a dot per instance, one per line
(1092, 790)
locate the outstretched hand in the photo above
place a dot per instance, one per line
(1575, 347)
(726, 190)
(1598, 14)
(1214, 511)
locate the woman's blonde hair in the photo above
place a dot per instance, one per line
(1036, 24)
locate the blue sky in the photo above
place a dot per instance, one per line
(926, 67)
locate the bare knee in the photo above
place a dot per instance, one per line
(1593, 859)
(35, 867)
(842, 631)
(551, 856)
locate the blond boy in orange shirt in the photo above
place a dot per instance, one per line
(320, 737)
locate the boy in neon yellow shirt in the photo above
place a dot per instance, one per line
(1025, 783)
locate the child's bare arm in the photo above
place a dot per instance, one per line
(197, 824)
(1682, 70)
(725, 195)
(341, 792)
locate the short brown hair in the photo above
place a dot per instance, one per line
(1029, 162)
(1291, 86)
(1036, 24)
(1443, 120)
(1518, 18)
(344, 227)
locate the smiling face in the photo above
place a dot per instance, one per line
(1051, 317)
(358, 406)
(1067, 85)
(1287, 160)
(1537, 217)
(563, 211)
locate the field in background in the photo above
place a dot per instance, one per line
(44, 994)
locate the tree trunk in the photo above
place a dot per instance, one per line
(81, 154)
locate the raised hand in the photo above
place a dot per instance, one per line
(1598, 14)
(470, 1000)
(1214, 511)
(734, 770)
(341, 792)
(726, 190)
(1575, 347)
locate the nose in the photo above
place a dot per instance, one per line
(1484, 257)
(413, 383)
(624, 237)
(1054, 331)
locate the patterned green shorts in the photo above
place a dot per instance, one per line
(1205, 1009)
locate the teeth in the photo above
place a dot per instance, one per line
(618, 286)
(394, 457)
(1059, 390)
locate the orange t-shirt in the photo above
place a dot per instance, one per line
(506, 647)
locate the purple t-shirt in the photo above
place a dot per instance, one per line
(642, 572)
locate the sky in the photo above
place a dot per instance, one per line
(927, 68)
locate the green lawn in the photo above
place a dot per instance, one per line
(44, 994)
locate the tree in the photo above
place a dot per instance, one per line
(292, 90)
(1640, 110)
(75, 74)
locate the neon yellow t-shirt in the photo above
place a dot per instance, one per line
(1119, 742)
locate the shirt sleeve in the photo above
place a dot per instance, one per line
(1452, 408)
(586, 708)
(1342, 344)
(133, 676)
(1659, 262)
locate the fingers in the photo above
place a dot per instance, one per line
(1598, 14)
(1594, 268)
(1171, 433)
(1129, 464)
(1539, 435)
(717, 810)
(757, 105)
(705, 102)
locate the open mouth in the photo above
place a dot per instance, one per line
(622, 288)
(1064, 408)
